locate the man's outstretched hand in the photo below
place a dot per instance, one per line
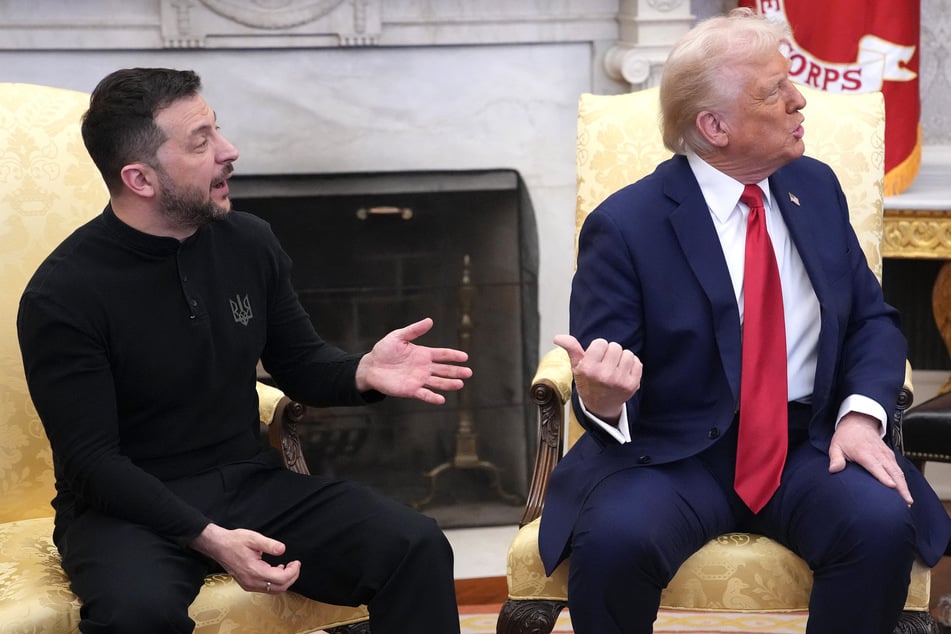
(398, 367)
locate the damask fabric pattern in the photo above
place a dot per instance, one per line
(35, 594)
(618, 144)
(48, 187)
(737, 572)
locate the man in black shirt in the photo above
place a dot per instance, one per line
(140, 337)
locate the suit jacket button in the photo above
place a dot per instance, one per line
(713, 433)
(644, 460)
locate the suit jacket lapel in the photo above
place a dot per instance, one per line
(698, 240)
(801, 222)
(804, 224)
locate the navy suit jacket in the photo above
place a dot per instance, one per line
(651, 276)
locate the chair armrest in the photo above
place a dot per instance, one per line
(554, 370)
(906, 397)
(551, 390)
(281, 415)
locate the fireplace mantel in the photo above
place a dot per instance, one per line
(150, 24)
(375, 86)
(404, 86)
(399, 85)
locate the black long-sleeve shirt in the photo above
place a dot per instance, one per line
(140, 355)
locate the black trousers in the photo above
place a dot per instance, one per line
(355, 547)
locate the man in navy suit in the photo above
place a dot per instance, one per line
(656, 348)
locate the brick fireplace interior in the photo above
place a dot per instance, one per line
(374, 252)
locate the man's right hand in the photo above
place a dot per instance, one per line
(606, 375)
(239, 552)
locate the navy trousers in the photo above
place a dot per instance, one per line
(355, 547)
(640, 524)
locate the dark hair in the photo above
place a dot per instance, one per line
(119, 127)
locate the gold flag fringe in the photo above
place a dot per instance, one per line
(900, 177)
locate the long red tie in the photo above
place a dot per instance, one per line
(762, 443)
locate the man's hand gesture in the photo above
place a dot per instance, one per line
(606, 375)
(398, 367)
(240, 552)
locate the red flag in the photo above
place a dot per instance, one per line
(861, 46)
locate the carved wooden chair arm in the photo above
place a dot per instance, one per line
(551, 391)
(283, 435)
(281, 416)
(906, 397)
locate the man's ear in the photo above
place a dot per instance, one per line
(713, 128)
(139, 179)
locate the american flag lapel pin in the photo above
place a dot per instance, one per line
(793, 199)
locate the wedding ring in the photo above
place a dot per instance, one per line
(267, 588)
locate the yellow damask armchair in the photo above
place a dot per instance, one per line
(619, 142)
(48, 187)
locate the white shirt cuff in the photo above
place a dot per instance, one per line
(863, 405)
(621, 433)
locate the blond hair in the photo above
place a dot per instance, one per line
(704, 72)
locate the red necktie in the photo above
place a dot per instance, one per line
(762, 443)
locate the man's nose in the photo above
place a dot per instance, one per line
(227, 152)
(796, 100)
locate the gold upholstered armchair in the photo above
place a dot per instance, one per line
(618, 143)
(48, 187)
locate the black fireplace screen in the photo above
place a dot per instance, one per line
(375, 252)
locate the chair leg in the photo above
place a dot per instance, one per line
(528, 617)
(353, 628)
(917, 623)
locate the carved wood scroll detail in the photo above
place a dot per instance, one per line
(917, 234)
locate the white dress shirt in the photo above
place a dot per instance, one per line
(800, 305)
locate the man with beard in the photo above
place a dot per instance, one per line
(143, 373)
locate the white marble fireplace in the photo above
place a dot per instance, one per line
(346, 95)
(397, 86)
(369, 86)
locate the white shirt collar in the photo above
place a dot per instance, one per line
(719, 190)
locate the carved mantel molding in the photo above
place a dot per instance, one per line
(648, 29)
(917, 234)
(918, 221)
(192, 23)
(289, 24)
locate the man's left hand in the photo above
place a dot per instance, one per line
(398, 367)
(858, 439)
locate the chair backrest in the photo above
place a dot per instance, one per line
(48, 187)
(619, 142)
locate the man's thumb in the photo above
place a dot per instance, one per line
(572, 347)
(836, 459)
(270, 546)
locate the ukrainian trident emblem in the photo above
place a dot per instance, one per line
(241, 309)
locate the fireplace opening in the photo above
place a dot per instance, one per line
(374, 252)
